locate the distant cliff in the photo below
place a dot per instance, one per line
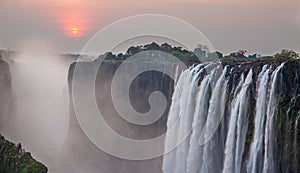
(5, 94)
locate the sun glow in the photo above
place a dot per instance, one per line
(74, 31)
(75, 24)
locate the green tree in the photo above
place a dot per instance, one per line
(133, 50)
(109, 56)
(152, 46)
(166, 47)
(287, 55)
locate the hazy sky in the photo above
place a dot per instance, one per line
(263, 26)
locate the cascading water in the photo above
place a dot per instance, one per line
(237, 126)
(268, 165)
(254, 164)
(211, 159)
(244, 140)
(194, 160)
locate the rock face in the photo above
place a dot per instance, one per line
(287, 123)
(80, 155)
(6, 95)
(286, 118)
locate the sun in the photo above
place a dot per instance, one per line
(74, 31)
(74, 23)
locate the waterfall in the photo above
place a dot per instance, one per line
(215, 114)
(228, 162)
(254, 164)
(269, 133)
(193, 160)
(184, 105)
(186, 121)
(238, 119)
(245, 140)
(242, 123)
(169, 159)
(191, 111)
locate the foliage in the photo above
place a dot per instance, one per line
(13, 159)
(184, 55)
(234, 58)
(286, 55)
(239, 54)
(200, 53)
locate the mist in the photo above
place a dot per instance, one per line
(40, 88)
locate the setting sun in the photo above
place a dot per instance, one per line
(75, 23)
(74, 31)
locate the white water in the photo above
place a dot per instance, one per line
(254, 164)
(296, 157)
(205, 106)
(183, 98)
(237, 126)
(215, 114)
(192, 112)
(229, 148)
(268, 166)
(194, 161)
(174, 115)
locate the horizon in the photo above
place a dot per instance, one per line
(124, 49)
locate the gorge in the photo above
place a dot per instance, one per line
(233, 116)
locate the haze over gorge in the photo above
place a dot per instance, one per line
(227, 113)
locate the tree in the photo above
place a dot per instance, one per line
(214, 55)
(220, 55)
(287, 55)
(239, 54)
(152, 46)
(166, 47)
(120, 56)
(133, 50)
(109, 56)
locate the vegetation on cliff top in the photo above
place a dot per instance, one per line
(14, 159)
(201, 53)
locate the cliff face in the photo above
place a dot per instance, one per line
(87, 155)
(287, 112)
(259, 131)
(287, 120)
(287, 116)
(5, 94)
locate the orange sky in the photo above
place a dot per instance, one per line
(256, 25)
